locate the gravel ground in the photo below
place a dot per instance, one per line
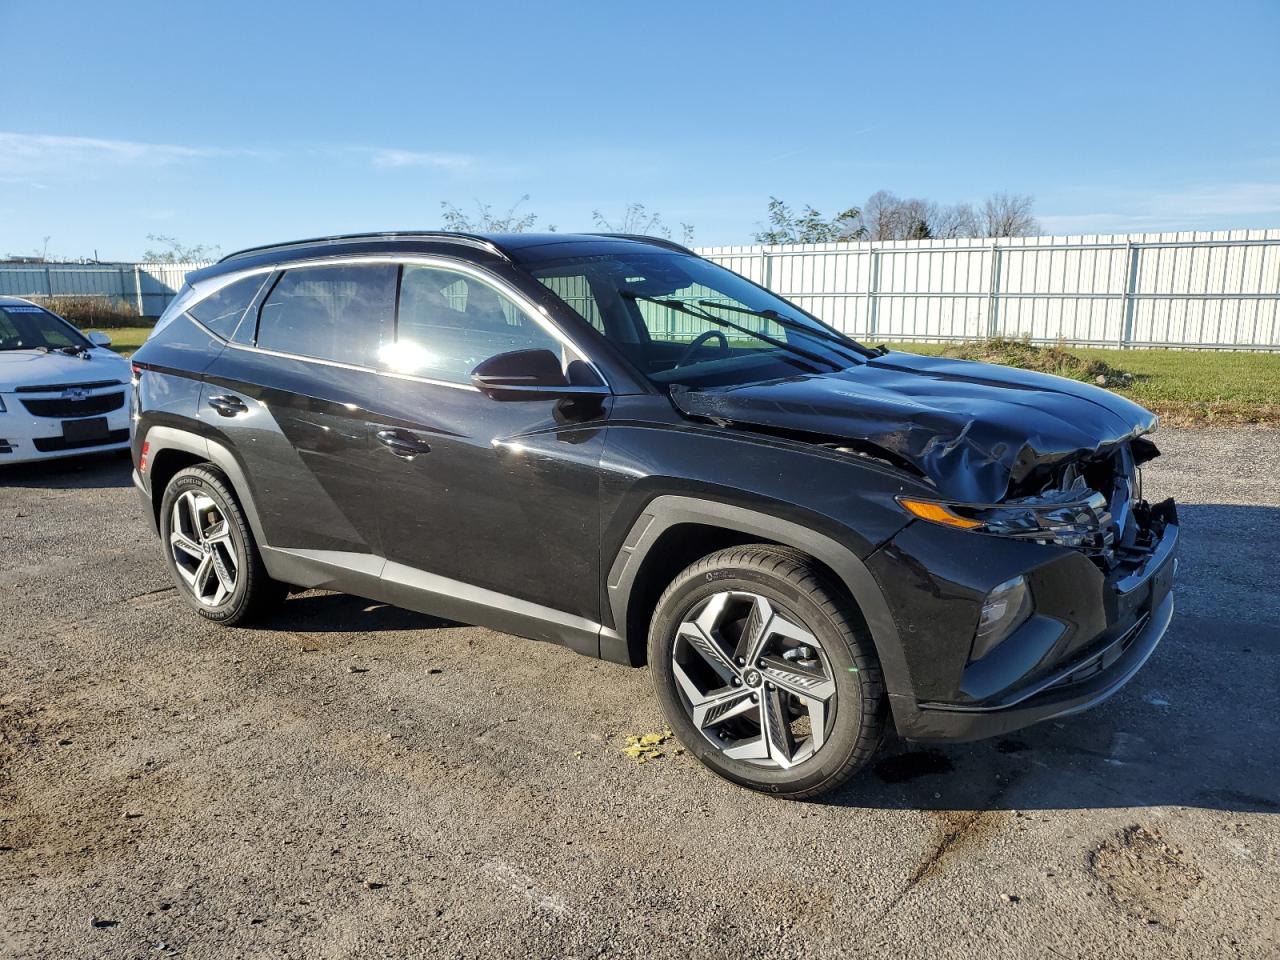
(354, 780)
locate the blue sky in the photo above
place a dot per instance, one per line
(241, 123)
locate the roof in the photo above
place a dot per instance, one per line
(478, 247)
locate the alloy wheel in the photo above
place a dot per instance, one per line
(754, 681)
(203, 552)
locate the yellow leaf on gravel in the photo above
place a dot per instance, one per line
(642, 747)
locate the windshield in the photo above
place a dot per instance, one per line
(28, 327)
(683, 320)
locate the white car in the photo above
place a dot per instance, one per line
(62, 393)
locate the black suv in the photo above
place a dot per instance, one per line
(610, 443)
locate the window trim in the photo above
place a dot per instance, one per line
(253, 305)
(538, 313)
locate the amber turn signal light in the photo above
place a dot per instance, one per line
(936, 512)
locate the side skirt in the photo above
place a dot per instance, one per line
(368, 576)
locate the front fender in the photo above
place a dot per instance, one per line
(664, 512)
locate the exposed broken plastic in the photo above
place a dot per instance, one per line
(979, 432)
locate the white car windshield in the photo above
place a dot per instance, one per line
(28, 327)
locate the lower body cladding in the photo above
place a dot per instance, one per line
(1076, 634)
(60, 429)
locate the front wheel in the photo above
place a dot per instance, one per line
(764, 675)
(210, 549)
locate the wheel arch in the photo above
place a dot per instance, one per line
(172, 449)
(676, 528)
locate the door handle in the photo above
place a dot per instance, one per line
(228, 405)
(402, 443)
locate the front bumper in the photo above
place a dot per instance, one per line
(26, 437)
(1108, 671)
(1090, 634)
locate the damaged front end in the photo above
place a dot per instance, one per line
(1092, 504)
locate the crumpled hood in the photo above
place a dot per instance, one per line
(972, 428)
(19, 368)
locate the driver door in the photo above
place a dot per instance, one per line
(495, 517)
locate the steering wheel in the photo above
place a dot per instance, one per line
(698, 341)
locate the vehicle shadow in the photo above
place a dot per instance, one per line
(91, 471)
(321, 612)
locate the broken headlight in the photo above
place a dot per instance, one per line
(1071, 517)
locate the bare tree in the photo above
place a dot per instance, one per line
(638, 219)
(172, 250)
(881, 216)
(950, 220)
(887, 216)
(486, 221)
(1008, 215)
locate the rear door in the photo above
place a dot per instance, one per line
(290, 394)
(500, 502)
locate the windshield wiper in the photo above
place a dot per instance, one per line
(683, 307)
(817, 332)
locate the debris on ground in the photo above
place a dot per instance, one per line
(643, 747)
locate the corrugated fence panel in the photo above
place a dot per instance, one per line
(1209, 289)
(147, 287)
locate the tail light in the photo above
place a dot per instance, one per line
(142, 457)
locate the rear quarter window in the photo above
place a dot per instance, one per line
(221, 312)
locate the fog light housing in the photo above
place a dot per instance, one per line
(1007, 607)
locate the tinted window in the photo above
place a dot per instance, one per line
(683, 320)
(24, 327)
(331, 312)
(222, 311)
(449, 322)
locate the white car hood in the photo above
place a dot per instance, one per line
(21, 368)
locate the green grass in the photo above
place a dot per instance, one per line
(1182, 386)
(125, 340)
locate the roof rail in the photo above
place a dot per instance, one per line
(467, 239)
(644, 238)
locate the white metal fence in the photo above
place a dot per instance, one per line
(147, 287)
(1215, 290)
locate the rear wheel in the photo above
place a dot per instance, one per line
(763, 674)
(210, 549)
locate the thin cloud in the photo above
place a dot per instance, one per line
(390, 158)
(28, 153)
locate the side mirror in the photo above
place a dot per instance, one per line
(99, 339)
(529, 375)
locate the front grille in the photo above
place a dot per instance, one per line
(53, 444)
(59, 387)
(65, 408)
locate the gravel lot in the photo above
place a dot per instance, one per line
(354, 780)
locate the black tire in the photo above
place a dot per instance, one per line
(789, 581)
(255, 593)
